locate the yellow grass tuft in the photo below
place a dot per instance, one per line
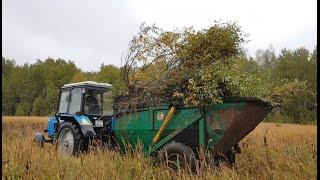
(271, 151)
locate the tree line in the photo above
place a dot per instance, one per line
(33, 89)
(289, 78)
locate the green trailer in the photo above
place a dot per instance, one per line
(216, 129)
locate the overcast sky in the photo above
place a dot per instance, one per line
(91, 32)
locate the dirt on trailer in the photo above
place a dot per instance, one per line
(238, 123)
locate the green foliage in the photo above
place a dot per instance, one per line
(23, 109)
(78, 77)
(187, 65)
(220, 42)
(38, 107)
(293, 83)
(294, 97)
(219, 80)
(199, 67)
(112, 75)
(289, 92)
(202, 67)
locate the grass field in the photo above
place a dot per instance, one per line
(271, 151)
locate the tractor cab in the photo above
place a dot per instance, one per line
(85, 98)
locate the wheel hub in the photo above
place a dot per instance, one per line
(66, 142)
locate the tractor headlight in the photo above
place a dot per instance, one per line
(98, 123)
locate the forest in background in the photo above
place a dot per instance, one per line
(289, 78)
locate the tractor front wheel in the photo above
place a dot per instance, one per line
(71, 140)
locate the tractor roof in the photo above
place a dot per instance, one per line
(88, 83)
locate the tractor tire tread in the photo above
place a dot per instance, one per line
(80, 141)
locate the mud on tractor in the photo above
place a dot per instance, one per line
(85, 112)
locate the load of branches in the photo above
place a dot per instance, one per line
(184, 65)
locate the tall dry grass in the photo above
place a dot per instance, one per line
(271, 151)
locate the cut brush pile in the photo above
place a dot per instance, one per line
(185, 66)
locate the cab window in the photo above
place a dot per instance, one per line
(64, 99)
(75, 101)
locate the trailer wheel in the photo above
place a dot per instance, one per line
(177, 155)
(71, 140)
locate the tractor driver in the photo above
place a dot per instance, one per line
(91, 103)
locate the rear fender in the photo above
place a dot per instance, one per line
(85, 125)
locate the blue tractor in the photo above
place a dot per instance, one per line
(84, 111)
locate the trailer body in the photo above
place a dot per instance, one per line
(216, 128)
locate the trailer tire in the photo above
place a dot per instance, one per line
(70, 140)
(175, 153)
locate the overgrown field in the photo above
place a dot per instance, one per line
(271, 151)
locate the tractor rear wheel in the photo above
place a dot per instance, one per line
(177, 155)
(71, 141)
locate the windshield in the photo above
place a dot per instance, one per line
(98, 102)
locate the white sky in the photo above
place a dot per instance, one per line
(94, 32)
